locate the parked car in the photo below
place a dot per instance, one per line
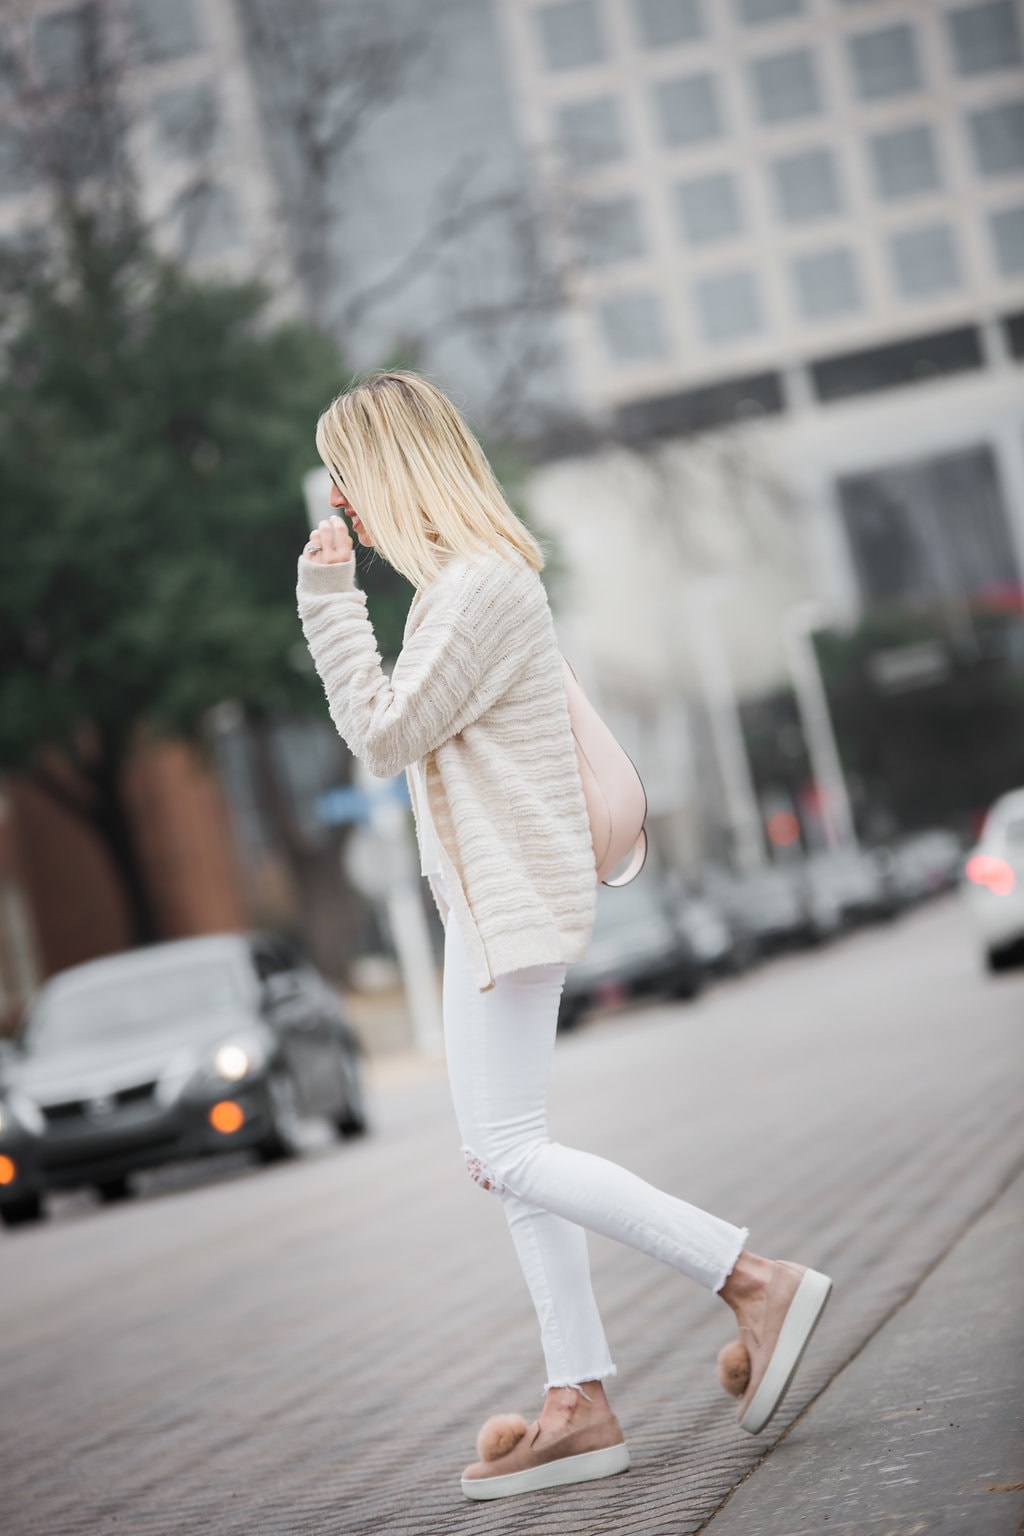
(856, 883)
(21, 1186)
(719, 948)
(635, 949)
(179, 1050)
(993, 883)
(770, 904)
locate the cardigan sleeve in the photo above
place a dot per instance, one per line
(440, 682)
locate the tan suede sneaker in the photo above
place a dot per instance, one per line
(759, 1366)
(517, 1458)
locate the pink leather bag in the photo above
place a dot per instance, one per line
(614, 792)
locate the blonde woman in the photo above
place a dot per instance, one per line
(475, 714)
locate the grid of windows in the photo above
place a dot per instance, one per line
(708, 208)
(997, 136)
(1007, 230)
(609, 231)
(885, 63)
(570, 36)
(663, 23)
(826, 284)
(924, 261)
(632, 326)
(904, 162)
(806, 186)
(984, 37)
(688, 110)
(728, 307)
(785, 86)
(590, 132)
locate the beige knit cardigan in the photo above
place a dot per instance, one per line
(477, 696)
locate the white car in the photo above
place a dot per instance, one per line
(994, 882)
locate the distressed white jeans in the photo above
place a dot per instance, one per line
(498, 1046)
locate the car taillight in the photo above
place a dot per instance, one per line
(994, 874)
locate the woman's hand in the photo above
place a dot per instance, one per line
(330, 543)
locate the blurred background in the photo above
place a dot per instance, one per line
(733, 292)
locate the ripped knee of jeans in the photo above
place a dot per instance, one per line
(481, 1173)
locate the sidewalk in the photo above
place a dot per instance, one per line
(923, 1432)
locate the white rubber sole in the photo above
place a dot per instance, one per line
(551, 1474)
(800, 1322)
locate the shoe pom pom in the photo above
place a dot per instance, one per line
(498, 1436)
(734, 1367)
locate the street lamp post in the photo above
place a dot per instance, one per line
(726, 725)
(812, 702)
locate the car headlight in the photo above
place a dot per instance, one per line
(19, 1109)
(236, 1059)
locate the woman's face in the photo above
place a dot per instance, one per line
(340, 503)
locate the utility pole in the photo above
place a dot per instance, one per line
(703, 598)
(812, 701)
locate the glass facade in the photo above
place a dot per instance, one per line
(931, 530)
(806, 186)
(590, 132)
(905, 162)
(708, 208)
(727, 306)
(885, 63)
(570, 36)
(785, 86)
(632, 326)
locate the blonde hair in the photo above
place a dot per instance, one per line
(417, 477)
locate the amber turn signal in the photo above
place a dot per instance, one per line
(227, 1116)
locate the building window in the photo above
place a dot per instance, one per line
(905, 163)
(608, 231)
(708, 208)
(166, 29)
(662, 23)
(16, 173)
(208, 221)
(755, 13)
(590, 132)
(185, 122)
(632, 326)
(924, 261)
(1007, 229)
(688, 110)
(885, 63)
(997, 134)
(930, 530)
(67, 47)
(728, 306)
(826, 284)
(569, 34)
(983, 38)
(806, 186)
(785, 86)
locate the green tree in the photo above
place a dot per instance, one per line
(153, 433)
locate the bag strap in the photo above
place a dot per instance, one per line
(633, 868)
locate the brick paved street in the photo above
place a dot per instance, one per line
(311, 1349)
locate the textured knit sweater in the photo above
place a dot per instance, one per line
(476, 697)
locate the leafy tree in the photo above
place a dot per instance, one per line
(153, 432)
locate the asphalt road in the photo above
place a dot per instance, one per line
(312, 1348)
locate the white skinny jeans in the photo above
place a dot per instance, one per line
(498, 1046)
